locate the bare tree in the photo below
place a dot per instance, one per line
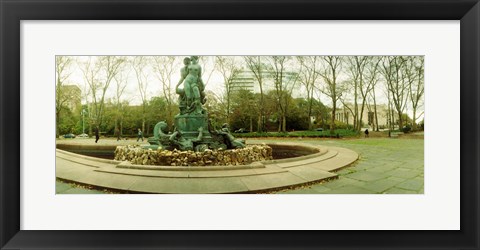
(308, 78)
(139, 65)
(355, 66)
(390, 110)
(373, 71)
(91, 74)
(216, 109)
(98, 73)
(361, 83)
(284, 81)
(330, 70)
(229, 70)
(62, 64)
(164, 68)
(395, 80)
(364, 85)
(208, 67)
(121, 81)
(258, 68)
(415, 75)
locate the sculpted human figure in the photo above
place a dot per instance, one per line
(193, 86)
(229, 139)
(184, 144)
(182, 99)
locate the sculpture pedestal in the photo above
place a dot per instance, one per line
(188, 125)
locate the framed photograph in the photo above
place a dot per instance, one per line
(352, 160)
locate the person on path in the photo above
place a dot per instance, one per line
(97, 134)
(140, 135)
(366, 133)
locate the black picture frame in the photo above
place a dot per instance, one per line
(13, 11)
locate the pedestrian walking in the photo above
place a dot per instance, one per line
(97, 134)
(366, 133)
(140, 135)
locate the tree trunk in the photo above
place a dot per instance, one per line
(332, 123)
(121, 127)
(284, 123)
(228, 108)
(361, 116)
(310, 104)
(259, 124)
(251, 123)
(358, 120)
(375, 111)
(389, 121)
(116, 125)
(414, 123)
(400, 121)
(392, 115)
(348, 126)
(309, 120)
(279, 124)
(57, 132)
(262, 114)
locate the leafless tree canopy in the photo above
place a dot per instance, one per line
(287, 91)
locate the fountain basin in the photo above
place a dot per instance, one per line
(311, 164)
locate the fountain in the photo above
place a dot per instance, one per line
(192, 128)
(199, 143)
(196, 158)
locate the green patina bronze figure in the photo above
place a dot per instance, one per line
(193, 87)
(182, 99)
(229, 140)
(190, 123)
(160, 136)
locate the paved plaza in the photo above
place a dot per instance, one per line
(393, 166)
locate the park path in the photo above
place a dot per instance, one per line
(385, 165)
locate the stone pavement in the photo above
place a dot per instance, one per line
(70, 188)
(392, 166)
(261, 176)
(385, 165)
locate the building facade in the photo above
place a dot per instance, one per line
(246, 80)
(344, 115)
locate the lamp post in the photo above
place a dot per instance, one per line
(83, 121)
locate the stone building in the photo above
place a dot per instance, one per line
(246, 79)
(344, 114)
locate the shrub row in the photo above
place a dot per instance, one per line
(315, 134)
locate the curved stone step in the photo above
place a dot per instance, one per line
(269, 175)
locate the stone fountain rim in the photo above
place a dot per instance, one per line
(320, 150)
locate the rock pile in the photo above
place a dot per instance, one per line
(140, 156)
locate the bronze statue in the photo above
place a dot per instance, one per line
(189, 125)
(229, 140)
(193, 85)
(182, 99)
(185, 144)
